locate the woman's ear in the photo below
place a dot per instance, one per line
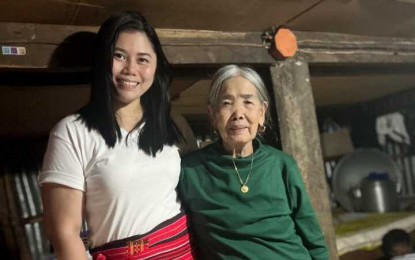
(264, 112)
(265, 106)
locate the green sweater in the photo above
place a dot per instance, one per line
(274, 220)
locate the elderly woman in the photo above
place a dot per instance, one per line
(246, 200)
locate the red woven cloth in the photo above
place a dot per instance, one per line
(169, 240)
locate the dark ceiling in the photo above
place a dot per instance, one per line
(367, 17)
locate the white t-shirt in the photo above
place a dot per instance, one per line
(127, 192)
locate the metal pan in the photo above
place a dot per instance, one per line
(353, 168)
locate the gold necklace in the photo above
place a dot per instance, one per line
(244, 187)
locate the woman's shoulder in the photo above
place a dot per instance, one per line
(199, 154)
(67, 124)
(277, 154)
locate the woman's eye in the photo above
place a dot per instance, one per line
(143, 61)
(119, 56)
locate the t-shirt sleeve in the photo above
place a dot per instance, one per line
(62, 162)
(306, 223)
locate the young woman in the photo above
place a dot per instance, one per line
(116, 162)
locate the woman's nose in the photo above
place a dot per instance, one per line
(237, 113)
(130, 67)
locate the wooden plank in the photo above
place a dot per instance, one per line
(340, 41)
(319, 47)
(46, 46)
(184, 47)
(12, 33)
(217, 55)
(181, 46)
(300, 136)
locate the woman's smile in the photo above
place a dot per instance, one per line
(235, 130)
(127, 84)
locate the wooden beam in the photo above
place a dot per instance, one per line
(300, 136)
(319, 47)
(44, 43)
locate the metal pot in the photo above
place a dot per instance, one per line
(379, 196)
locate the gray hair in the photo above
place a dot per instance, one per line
(231, 71)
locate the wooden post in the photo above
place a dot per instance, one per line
(300, 136)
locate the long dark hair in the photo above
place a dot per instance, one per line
(98, 114)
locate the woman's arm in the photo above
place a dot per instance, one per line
(305, 220)
(62, 218)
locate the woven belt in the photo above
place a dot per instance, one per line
(169, 240)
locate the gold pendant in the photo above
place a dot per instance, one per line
(244, 188)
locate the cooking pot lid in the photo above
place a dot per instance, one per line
(353, 168)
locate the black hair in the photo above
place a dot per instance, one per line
(98, 114)
(392, 238)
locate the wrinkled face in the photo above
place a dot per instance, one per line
(134, 67)
(238, 113)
